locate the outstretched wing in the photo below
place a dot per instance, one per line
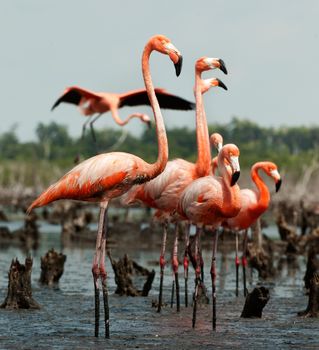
(165, 100)
(74, 95)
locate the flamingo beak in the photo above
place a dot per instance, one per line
(278, 184)
(178, 65)
(223, 66)
(149, 124)
(221, 84)
(234, 178)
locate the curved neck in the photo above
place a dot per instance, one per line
(224, 172)
(119, 121)
(263, 192)
(203, 163)
(162, 158)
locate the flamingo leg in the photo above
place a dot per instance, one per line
(237, 264)
(92, 129)
(197, 273)
(96, 267)
(213, 276)
(244, 260)
(103, 274)
(162, 266)
(186, 263)
(175, 270)
(85, 125)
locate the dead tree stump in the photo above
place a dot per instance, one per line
(125, 269)
(312, 309)
(52, 267)
(255, 302)
(19, 287)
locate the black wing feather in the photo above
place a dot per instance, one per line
(165, 100)
(72, 96)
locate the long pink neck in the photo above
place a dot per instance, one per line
(203, 163)
(231, 194)
(119, 121)
(263, 192)
(162, 158)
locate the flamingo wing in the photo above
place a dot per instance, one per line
(165, 100)
(74, 95)
(103, 176)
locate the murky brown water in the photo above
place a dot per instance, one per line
(66, 319)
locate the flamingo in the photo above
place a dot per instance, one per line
(163, 192)
(253, 204)
(91, 103)
(109, 175)
(208, 201)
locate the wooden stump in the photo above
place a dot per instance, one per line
(19, 287)
(255, 302)
(312, 309)
(125, 269)
(52, 267)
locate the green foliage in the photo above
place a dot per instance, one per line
(289, 147)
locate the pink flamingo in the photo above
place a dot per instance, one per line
(91, 103)
(109, 175)
(208, 201)
(253, 204)
(163, 192)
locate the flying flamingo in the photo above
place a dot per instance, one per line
(163, 192)
(91, 103)
(208, 201)
(109, 175)
(253, 204)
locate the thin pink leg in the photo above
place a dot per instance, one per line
(175, 268)
(244, 260)
(213, 276)
(197, 273)
(186, 263)
(237, 263)
(162, 265)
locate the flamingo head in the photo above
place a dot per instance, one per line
(206, 84)
(147, 120)
(230, 153)
(208, 63)
(272, 171)
(162, 44)
(216, 140)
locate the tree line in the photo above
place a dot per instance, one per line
(289, 147)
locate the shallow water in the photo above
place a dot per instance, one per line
(66, 319)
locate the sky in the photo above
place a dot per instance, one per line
(271, 50)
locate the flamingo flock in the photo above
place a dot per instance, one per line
(180, 191)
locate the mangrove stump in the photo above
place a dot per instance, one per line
(312, 309)
(125, 270)
(255, 302)
(52, 267)
(19, 287)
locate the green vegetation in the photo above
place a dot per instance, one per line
(41, 161)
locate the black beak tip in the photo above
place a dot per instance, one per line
(149, 125)
(222, 85)
(178, 66)
(278, 185)
(235, 178)
(223, 66)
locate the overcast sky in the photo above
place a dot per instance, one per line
(270, 48)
